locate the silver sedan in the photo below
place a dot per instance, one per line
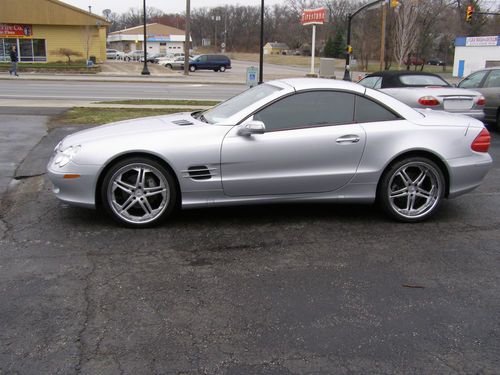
(308, 140)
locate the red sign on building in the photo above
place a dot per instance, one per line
(15, 31)
(313, 16)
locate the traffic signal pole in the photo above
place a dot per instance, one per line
(350, 16)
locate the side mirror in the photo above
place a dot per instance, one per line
(253, 127)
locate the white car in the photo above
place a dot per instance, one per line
(134, 55)
(114, 54)
(168, 60)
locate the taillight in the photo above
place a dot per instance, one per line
(481, 101)
(482, 141)
(428, 101)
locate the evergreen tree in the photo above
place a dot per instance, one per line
(338, 45)
(329, 48)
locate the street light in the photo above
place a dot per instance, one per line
(145, 71)
(350, 16)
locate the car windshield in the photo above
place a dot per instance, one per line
(232, 106)
(422, 80)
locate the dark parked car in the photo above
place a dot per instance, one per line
(435, 62)
(210, 62)
(487, 82)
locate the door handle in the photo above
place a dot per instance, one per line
(351, 138)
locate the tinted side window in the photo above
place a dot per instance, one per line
(493, 79)
(367, 110)
(472, 81)
(308, 109)
(203, 58)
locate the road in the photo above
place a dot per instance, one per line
(95, 91)
(289, 289)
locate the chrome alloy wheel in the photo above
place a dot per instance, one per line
(414, 189)
(138, 193)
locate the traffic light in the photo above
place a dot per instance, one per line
(468, 13)
(348, 49)
(394, 3)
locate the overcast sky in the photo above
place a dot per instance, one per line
(177, 6)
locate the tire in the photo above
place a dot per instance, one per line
(411, 190)
(192, 68)
(222, 68)
(138, 192)
(168, 66)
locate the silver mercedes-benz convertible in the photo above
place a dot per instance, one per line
(289, 140)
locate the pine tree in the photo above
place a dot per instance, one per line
(338, 45)
(329, 48)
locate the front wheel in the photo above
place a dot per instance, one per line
(412, 189)
(138, 192)
(168, 66)
(222, 68)
(192, 68)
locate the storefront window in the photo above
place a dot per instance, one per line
(39, 51)
(28, 50)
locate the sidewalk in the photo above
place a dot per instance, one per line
(164, 78)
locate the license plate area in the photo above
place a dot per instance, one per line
(457, 104)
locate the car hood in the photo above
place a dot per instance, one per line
(140, 128)
(431, 90)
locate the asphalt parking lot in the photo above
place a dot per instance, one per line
(289, 289)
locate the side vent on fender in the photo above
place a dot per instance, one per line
(199, 172)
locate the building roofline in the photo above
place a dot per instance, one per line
(79, 10)
(135, 27)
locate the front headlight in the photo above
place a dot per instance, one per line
(63, 157)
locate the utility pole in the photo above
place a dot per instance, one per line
(261, 44)
(382, 36)
(187, 38)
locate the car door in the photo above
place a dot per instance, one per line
(310, 145)
(491, 92)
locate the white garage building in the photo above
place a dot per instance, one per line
(474, 53)
(160, 39)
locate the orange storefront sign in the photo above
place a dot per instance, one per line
(15, 31)
(313, 16)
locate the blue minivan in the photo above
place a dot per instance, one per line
(217, 63)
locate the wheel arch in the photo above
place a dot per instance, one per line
(118, 158)
(420, 153)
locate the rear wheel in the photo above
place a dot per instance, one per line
(192, 68)
(222, 68)
(412, 189)
(138, 192)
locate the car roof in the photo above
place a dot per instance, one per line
(390, 78)
(319, 83)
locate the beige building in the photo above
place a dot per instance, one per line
(275, 48)
(160, 39)
(41, 28)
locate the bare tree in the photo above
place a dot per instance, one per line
(406, 33)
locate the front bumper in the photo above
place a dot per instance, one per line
(75, 191)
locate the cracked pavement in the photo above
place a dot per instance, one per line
(289, 289)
